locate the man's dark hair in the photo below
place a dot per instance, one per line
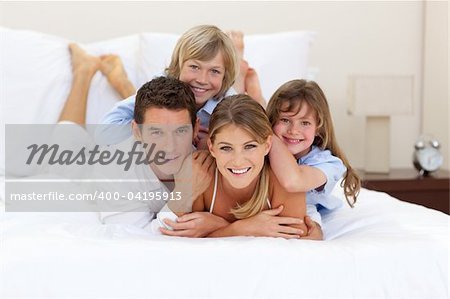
(165, 92)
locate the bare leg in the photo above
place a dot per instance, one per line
(237, 37)
(84, 67)
(111, 66)
(253, 87)
(247, 80)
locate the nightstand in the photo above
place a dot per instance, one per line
(405, 184)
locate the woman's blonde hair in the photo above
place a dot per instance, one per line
(245, 113)
(203, 43)
(291, 96)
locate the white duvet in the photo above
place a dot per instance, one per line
(383, 248)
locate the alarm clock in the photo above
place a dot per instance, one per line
(427, 157)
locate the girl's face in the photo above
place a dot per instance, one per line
(239, 157)
(297, 131)
(204, 77)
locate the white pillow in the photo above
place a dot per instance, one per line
(277, 57)
(155, 54)
(36, 76)
(102, 97)
(36, 73)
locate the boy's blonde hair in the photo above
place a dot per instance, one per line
(245, 113)
(203, 43)
(293, 94)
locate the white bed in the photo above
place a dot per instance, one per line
(383, 248)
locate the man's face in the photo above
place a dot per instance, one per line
(171, 132)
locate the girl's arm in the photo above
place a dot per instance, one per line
(294, 203)
(293, 177)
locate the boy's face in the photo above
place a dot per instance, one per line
(204, 77)
(171, 132)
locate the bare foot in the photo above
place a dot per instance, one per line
(253, 88)
(111, 66)
(239, 83)
(237, 37)
(83, 63)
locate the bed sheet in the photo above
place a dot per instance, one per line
(381, 248)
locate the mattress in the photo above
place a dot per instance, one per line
(382, 248)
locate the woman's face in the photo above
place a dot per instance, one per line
(239, 157)
(204, 77)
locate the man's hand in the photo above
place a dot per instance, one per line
(269, 224)
(194, 225)
(203, 166)
(314, 230)
(192, 180)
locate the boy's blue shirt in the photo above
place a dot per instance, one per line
(123, 112)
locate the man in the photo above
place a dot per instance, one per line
(164, 126)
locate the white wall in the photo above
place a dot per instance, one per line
(373, 38)
(435, 92)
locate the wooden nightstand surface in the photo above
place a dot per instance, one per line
(407, 185)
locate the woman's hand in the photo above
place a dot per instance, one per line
(192, 180)
(194, 225)
(269, 224)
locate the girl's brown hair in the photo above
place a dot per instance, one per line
(290, 97)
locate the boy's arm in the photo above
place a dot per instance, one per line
(116, 124)
(293, 177)
(122, 112)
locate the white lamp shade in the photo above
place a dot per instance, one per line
(383, 95)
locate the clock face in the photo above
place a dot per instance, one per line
(429, 158)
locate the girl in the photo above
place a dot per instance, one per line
(244, 187)
(204, 57)
(305, 155)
